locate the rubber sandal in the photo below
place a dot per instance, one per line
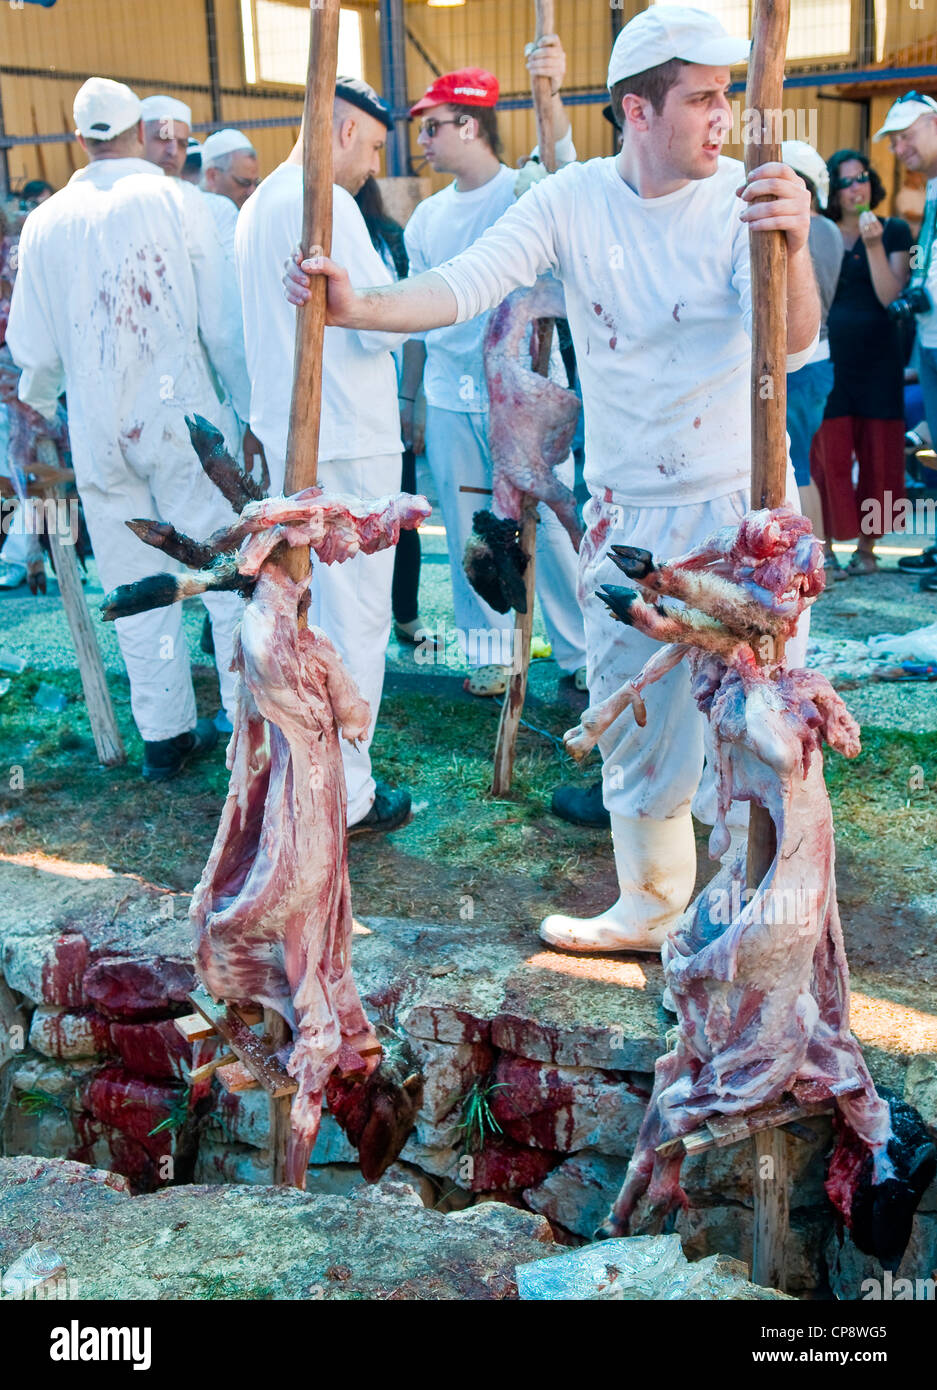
(580, 680)
(420, 637)
(486, 681)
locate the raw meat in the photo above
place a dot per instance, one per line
(759, 979)
(272, 911)
(531, 420)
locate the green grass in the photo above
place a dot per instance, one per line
(477, 1124)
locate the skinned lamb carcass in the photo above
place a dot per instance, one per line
(272, 911)
(531, 424)
(759, 979)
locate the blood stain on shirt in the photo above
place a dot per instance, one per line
(697, 422)
(680, 304)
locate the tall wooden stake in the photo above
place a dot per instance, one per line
(513, 706)
(305, 407)
(770, 22)
(104, 730)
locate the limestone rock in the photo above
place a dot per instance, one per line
(61, 1033)
(156, 1050)
(639, 1268)
(449, 1071)
(47, 969)
(920, 1087)
(565, 1108)
(13, 1026)
(134, 988)
(261, 1242)
(578, 1194)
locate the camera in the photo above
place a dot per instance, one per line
(914, 301)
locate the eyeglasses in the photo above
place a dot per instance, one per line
(856, 178)
(245, 183)
(430, 127)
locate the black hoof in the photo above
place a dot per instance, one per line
(634, 562)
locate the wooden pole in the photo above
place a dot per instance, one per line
(107, 740)
(305, 407)
(513, 706)
(764, 93)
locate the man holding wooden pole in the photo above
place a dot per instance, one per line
(658, 297)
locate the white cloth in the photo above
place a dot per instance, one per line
(658, 298)
(351, 603)
(458, 456)
(153, 644)
(360, 415)
(121, 289)
(120, 276)
(224, 214)
(927, 323)
(654, 771)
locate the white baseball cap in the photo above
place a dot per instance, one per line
(904, 112)
(804, 159)
(103, 109)
(164, 108)
(673, 31)
(222, 142)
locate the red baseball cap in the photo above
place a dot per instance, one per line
(467, 87)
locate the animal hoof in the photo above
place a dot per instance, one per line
(610, 1229)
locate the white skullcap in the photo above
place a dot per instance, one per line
(673, 31)
(804, 159)
(103, 109)
(163, 108)
(222, 142)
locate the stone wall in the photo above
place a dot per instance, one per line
(537, 1070)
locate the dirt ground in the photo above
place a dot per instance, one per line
(464, 854)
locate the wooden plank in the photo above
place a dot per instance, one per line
(255, 1054)
(235, 1077)
(194, 1026)
(771, 1193)
(721, 1131)
(203, 1072)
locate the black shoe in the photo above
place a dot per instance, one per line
(581, 806)
(163, 758)
(390, 809)
(925, 563)
(207, 642)
(928, 584)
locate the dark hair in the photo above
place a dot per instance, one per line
(487, 118)
(35, 188)
(876, 188)
(653, 84)
(382, 229)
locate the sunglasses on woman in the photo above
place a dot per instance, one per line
(856, 178)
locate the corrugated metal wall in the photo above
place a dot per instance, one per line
(160, 44)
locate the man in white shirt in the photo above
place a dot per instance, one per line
(911, 127)
(652, 248)
(359, 434)
(121, 301)
(229, 166)
(459, 135)
(167, 125)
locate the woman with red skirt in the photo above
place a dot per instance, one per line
(864, 414)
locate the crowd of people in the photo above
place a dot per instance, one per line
(151, 288)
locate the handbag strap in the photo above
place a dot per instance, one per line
(926, 239)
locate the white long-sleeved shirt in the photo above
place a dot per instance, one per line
(439, 228)
(658, 297)
(360, 416)
(120, 293)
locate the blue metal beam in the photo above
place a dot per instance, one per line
(394, 83)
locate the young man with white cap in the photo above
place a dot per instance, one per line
(167, 125)
(652, 248)
(120, 301)
(459, 135)
(359, 434)
(911, 128)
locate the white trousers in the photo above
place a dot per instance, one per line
(655, 771)
(351, 603)
(20, 547)
(458, 456)
(153, 644)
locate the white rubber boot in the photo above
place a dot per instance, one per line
(656, 864)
